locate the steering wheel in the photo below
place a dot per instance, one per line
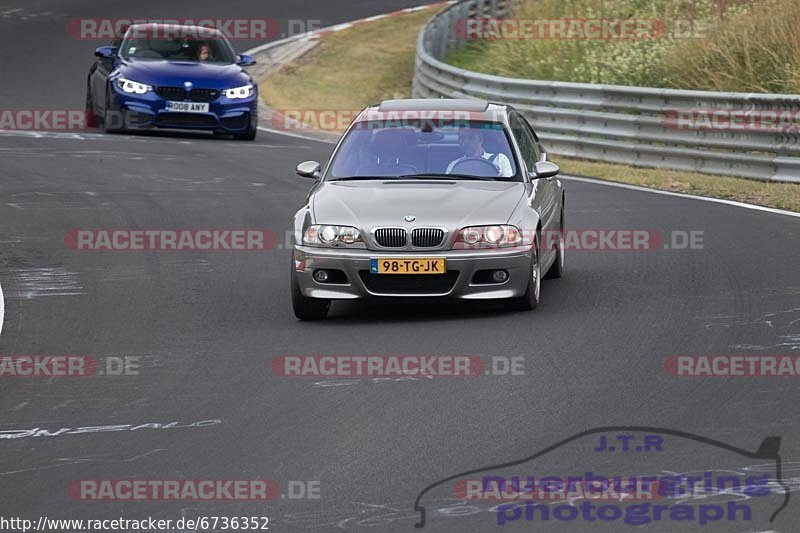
(476, 166)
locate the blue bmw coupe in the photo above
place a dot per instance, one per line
(175, 77)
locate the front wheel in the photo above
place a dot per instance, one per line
(113, 120)
(92, 120)
(250, 134)
(307, 308)
(530, 300)
(557, 268)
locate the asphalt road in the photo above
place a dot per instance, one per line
(205, 326)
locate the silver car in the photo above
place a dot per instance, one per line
(429, 198)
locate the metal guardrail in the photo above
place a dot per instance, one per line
(613, 123)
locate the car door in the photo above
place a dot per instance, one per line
(552, 184)
(543, 197)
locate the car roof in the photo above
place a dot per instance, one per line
(473, 108)
(204, 30)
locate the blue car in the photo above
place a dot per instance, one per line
(175, 77)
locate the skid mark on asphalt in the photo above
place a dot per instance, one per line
(67, 461)
(784, 326)
(20, 14)
(32, 283)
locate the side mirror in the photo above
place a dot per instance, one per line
(245, 60)
(106, 52)
(309, 169)
(545, 169)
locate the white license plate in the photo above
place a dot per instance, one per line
(187, 107)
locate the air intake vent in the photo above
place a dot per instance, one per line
(391, 237)
(427, 237)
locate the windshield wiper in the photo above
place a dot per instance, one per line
(441, 176)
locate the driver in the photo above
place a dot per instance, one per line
(471, 142)
(204, 53)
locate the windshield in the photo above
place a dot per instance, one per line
(454, 150)
(216, 50)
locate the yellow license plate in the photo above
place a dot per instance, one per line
(402, 265)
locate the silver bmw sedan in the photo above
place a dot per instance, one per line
(429, 198)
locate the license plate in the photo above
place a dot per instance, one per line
(187, 107)
(402, 265)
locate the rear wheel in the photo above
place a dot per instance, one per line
(530, 300)
(307, 308)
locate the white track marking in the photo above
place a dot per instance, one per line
(297, 135)
(685, 195)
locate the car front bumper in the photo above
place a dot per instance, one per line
(149, 111)
(458, 282)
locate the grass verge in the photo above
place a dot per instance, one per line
(711, 45)
(351, 68)
(374, 61)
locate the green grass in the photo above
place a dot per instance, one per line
(351, 68)
(733, 45)
(766, 193)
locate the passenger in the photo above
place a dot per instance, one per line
(471, 142)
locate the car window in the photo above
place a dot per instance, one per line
(536, 147)
(527, 145)
(210, 50)
(407, 148)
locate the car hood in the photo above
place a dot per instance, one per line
(175, 73)
(450, 204)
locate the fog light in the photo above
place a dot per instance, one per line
(499, 276)
(321, 275)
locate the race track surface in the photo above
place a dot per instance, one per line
(206, 325)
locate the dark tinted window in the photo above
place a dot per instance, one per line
(216, 50)
(527, 145)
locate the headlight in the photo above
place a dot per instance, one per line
(134, 87)
(327, 235)
(489, 236)
(245, 91)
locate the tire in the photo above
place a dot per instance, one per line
(250, 135)
(557, 268)
(307, 308)
(530, 300)
(111, 124)
(92, 120)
